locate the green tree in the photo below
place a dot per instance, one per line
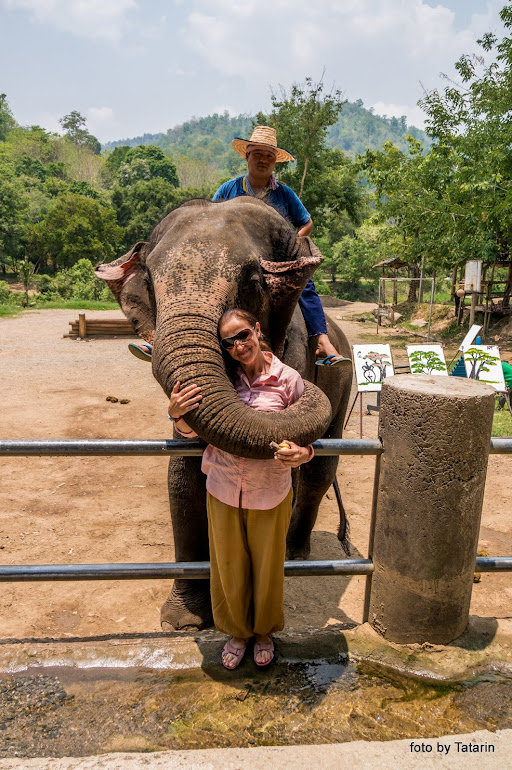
(74, 126)
(145, 163)
(7, 122)
(325, 179)
(302, 118)
(142, 205)
(75, 227)
(453, 203)
(13, 223)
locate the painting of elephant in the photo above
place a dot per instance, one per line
(201, 259)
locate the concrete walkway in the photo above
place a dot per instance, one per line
(475, 750)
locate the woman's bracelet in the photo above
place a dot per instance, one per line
(176, 420)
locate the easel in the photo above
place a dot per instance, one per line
(371, 364)
(468, 339)
(360, 394)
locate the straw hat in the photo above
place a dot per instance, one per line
(264, 136)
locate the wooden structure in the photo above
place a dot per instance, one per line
(490, 300)
(100, 327)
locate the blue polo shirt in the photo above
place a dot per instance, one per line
(283, 200)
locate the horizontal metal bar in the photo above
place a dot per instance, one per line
(501, 446)
(191, 570)
(135, 447)
(201, 570)
(493, 564)
(347, 446)
(100, 447)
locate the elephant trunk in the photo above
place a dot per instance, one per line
(187, 350)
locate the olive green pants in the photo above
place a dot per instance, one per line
(247, 552)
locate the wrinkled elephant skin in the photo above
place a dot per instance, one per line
(201, 259)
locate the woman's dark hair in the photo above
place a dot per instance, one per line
(237, 312)
(251, 320)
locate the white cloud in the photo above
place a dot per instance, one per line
(105, 19)
(48, 121)
(101, 121)
(101, 114)
(415, 116)
(376, 48)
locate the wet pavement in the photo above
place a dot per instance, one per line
(67, 711)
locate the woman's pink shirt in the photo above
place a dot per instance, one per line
(240, 481)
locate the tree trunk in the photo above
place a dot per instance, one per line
(413, 286)
(303, 177)
(508, 287)
(453, 292)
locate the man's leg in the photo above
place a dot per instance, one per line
(314, 317)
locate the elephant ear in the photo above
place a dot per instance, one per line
(126, 278)
(286, 282)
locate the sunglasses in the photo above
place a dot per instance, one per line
(242, 336)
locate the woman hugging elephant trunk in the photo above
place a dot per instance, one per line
(249, 502)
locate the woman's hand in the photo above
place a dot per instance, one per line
(183, 401)
(291, 455)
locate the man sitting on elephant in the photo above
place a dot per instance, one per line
(262, 153)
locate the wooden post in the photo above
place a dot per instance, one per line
(82, 326)
(474, 300)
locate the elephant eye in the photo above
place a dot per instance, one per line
(255, 278)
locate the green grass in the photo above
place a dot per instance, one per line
(502, 423)
(62, 304)
(9, 310)
(76, 304)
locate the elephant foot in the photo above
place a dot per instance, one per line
(186, 610)
(298, 550)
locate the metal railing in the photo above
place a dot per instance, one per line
(201, 570)
(92, 447)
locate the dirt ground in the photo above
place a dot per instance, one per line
(113, 509)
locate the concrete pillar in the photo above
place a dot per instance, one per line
(436, 434)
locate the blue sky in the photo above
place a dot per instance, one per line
(135, 66)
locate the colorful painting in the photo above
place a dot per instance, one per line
(483, 363)
(373, 363)
(427, 359)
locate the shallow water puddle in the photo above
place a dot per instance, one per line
(69, 711)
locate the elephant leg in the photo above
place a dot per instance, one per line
(188, 605)
(314, 479)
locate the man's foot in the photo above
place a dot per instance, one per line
(324, 347)
(333, 360)
(144, 351)
(263, 650)
(233, 652)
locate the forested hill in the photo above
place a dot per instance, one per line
(209, 139)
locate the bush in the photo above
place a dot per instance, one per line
(5, 293)
(77, 282)
(321, 286)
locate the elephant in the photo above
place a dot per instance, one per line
(199, 260)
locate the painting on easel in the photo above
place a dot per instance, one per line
(426, 359)
(483, 364)
(373, 364)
